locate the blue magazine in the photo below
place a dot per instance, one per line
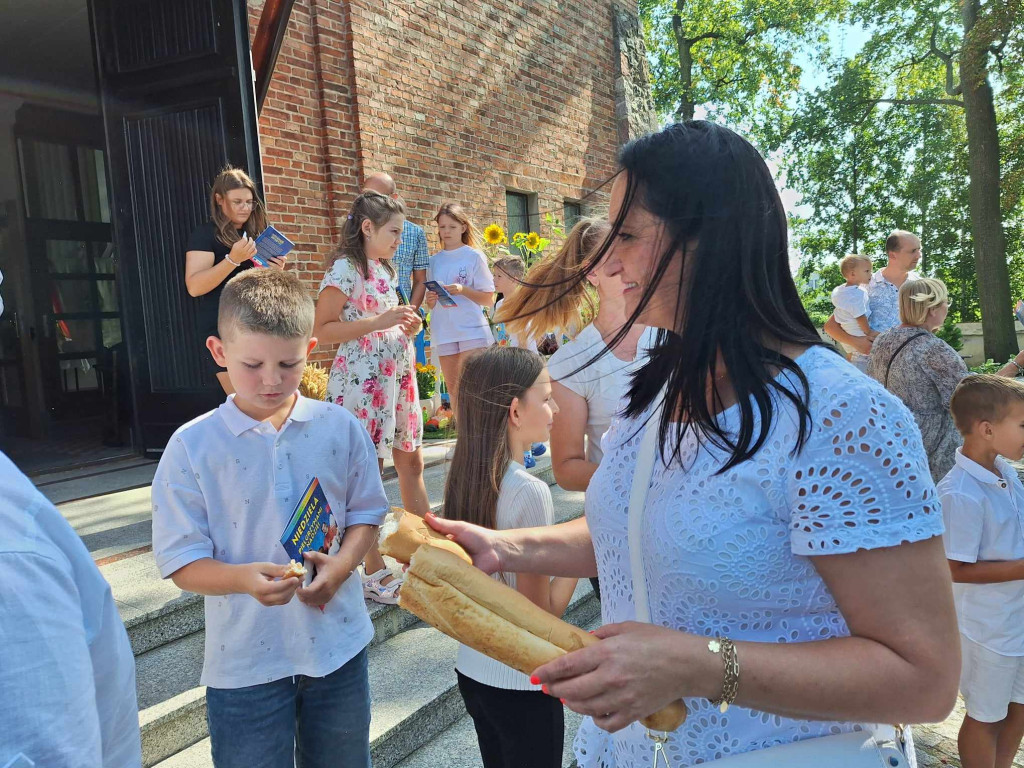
(271, 243)
(312, 526)
(443, 297)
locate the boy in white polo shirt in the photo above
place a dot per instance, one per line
(287, 682)
(983, 509)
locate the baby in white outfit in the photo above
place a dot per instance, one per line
(851, 303)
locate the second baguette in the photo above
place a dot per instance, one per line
(469, 606)
(437, 566)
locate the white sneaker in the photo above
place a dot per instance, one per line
(387, 594)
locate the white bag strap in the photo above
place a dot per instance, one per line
(646, 454)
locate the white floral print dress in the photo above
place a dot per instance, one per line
(728, 554)
(374, 376)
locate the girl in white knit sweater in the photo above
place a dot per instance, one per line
(504, 405)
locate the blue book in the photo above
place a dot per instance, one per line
(312, 527)
(443, 297)
(271, 243)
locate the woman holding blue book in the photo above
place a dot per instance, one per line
(222, 247)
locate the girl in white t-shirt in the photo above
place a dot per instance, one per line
(462, 269)
(589, 379)
(506, 405)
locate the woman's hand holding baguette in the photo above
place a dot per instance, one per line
(482, 544)
(635, 670)
(564, 549)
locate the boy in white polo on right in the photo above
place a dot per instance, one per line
(983, 506)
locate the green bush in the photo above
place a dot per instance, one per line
(817, 300)
(989, 366)
(951, 334)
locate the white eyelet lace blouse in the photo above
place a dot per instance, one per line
(726, 554)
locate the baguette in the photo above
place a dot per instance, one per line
(412, 533)
(469, 606)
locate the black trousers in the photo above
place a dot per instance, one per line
(516, 729)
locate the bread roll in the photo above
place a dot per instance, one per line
(412, 533)
(496, 620)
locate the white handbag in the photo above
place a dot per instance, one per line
(859, 749)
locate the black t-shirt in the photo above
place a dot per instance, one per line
(204, 238)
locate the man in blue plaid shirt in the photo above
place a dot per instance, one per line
(412, 257)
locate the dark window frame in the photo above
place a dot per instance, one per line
(567, 221)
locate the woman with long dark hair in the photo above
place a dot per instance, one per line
(765, 510)
(222, 247)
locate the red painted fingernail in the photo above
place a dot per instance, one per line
(544, 689)
(590, 631)
(562, 701)
(534, 680)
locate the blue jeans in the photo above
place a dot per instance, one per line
(296, 722)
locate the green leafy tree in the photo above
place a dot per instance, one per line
(941, 54)
(735, 58)
(866, 171)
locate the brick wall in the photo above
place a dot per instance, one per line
(457, 100)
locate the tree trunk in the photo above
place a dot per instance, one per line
(683, 46)
(986, 215)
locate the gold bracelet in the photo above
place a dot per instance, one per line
(731, 680)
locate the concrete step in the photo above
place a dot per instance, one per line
(454, 747)
(96, 480)
(415, 695)
(155, 611)
(457, 747)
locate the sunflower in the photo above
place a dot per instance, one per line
(494, 235)
(532, 241)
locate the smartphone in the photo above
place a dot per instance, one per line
(443, 297)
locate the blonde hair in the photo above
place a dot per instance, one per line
(379, 210)
(918, 297)
(983, 397)
(554, 296)
(228, 179)
(850, 261)
(267, 301)
(471, 236)
(513, 266)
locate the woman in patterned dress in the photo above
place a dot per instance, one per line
(790, 517)
(921, 369)
(373, 374)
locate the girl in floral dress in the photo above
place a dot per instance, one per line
(373, 374)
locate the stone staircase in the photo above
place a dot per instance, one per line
(417, 713)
